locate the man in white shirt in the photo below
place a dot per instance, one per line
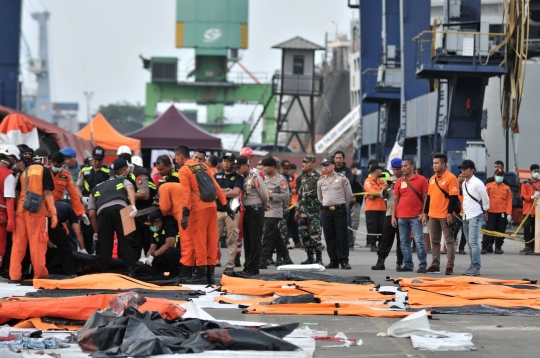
(475, 207)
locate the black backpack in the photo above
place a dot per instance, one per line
(207, 188)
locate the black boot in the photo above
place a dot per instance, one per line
(237, 261)
(309, 260)
(210, 275)
(185, 274)
(374, 247)
(379, 265)
(199, 278)
(318, 259)
(271, 261)
(279, 260)
(287, 259)
(263, 263)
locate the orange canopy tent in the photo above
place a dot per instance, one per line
(100, 132)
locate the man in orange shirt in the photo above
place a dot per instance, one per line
(31, 227)
(199, 244)
(530, 190)
(63, 182)
(441, 202)
(292, 225)
(375, 206)
(499, 213)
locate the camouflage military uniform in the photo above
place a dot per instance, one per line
(309, 209)
(282, 226)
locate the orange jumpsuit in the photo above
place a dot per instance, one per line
(199, 243)
(31, 229)
(63, 181)
(168, 192)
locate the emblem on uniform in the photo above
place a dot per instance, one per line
(337, 180)
(232, 178)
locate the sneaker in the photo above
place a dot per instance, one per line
(472, 271)
(498, 251)
(433, 269)
(404, 269)
(332, 266)
(462, 252)
(228, 270)
(526, 250)
(421, 270)
(345, 266)
(449, 270)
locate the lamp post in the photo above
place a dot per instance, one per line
(88, 96)
(337, 31)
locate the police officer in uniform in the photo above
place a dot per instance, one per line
(334, 192)
(104, 203)
(255, 202)
(232, 184)
(164, 253)
(166, 169)
(89, 177)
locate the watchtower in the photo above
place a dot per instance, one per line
(297, 79)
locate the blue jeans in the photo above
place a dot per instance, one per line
(472, 228)
(405, 228)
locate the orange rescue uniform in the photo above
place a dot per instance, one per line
(500, 198)
(528, 188)
(63, 181)
(31, 229)
(438, 201)
(374, 185)
(294, 196)
(199, 243)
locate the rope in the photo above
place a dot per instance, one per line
(364, 233)
(368, 193)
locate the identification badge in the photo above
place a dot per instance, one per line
(403, 184)
(337, 180)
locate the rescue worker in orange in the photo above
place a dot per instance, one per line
(199, 243)
(375, 205)
(530, 190)
(32, 217)
(499, 213)
(9, 155)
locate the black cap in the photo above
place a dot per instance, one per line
(229, 156)
(285, 163)
(372, 161)
(40, 152)
(98, 153)
(356, 165)
(292, 166)
(118, 163)
(153, 217)
(328, 161)
(241, 160)
(467, 164)
(535, 167)
(375, 167)
(269, 162)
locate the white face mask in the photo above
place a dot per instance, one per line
(56, 170)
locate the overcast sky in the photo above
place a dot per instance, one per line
(94, 45)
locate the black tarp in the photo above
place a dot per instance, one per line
(303, 276)
(175, 295)
(487, 310)
(137, 334)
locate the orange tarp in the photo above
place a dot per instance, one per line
(100, 132)
(101, 281)
(79, 308)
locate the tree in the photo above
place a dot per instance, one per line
(124, 117)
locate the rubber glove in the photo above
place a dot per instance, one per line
(85, 219)
(149, 260)
(133, 212)
(185, 215)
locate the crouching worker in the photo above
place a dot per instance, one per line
(34, 208)
(164, 253)
(104, 205)
(59, 254)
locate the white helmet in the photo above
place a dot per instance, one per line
(123, 149)
(137, 160)
(10, 150)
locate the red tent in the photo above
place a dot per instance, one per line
(52, 137)
(172, 129)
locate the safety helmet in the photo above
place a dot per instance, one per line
(10, 150)
(137, 160)
(246, 152)
(123, 149)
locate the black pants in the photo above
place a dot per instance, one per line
(271, 238)
(169, 261)
(458, 224)
(336, 234)
(252, 225)
(292, 226)
(387, 241)
(88, 237)
(109, 223)
(60, 259)
(140, 239)
(375, 224)
(496, 222)
(528, 232)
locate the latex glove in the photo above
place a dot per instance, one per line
(149, 260)
(83, 251)
(95, 237)
(536, 194)
(509, 218)
(85, 200)
(54, 221)
(230, 212)
(133, 212)
(185, 215)
(85, 219)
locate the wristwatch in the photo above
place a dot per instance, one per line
(153, 254)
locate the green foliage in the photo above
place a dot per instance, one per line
(124, 117)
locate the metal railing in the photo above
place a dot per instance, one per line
(299, 85)
(390, 79)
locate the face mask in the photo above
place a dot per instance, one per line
(535, 175)
(154, 228)
(121, 176)
(498, 179)
(56, 170)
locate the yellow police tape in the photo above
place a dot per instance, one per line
(291, 207)
(368, 193)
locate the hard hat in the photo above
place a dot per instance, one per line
(246, 152)
(9, 150)
(123, 149)
(137, 160)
